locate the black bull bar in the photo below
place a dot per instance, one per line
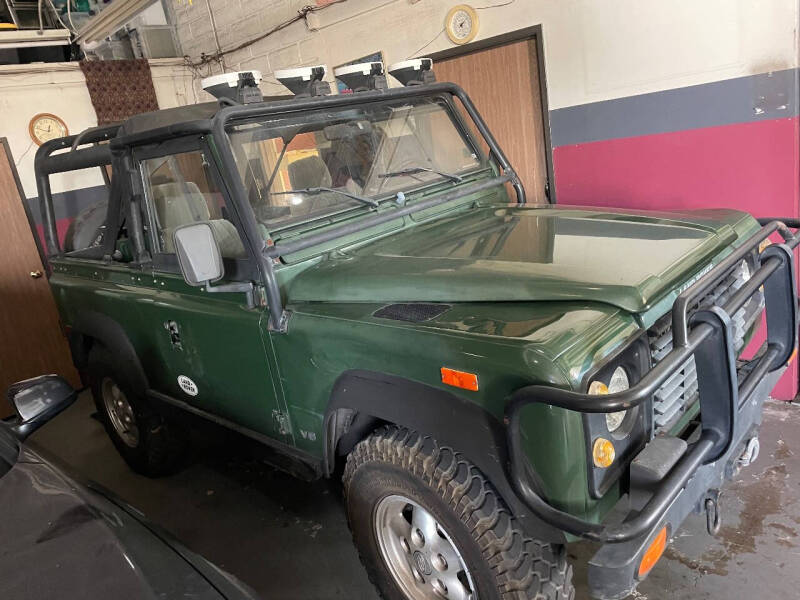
(707, 335)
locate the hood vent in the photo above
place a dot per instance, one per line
(413, 312)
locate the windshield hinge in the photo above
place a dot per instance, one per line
(282, 424)
(282, 325)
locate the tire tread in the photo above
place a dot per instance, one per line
(524, 568)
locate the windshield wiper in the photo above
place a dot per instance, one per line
(312, 191)
(414, 170)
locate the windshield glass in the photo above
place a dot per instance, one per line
(301, 167)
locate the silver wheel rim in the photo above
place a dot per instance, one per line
(120, 412)
(419, 553)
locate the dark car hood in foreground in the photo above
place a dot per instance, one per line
(526, 254)
(62, 540)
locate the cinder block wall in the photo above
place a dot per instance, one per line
(240, 20)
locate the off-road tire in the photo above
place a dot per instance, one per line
(504, 562)
(161, 446)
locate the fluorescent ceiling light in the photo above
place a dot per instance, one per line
(31, 38)
(110, 19)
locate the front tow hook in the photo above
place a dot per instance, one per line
(713, 516)
(750, 453)
(748, 456)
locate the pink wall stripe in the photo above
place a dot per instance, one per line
(749, 166)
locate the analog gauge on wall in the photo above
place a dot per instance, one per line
(461, 24)
(45, 126)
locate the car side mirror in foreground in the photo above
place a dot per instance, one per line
(198, 254)
(200, 260)
(37, 401)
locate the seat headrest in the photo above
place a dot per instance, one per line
(179, 203)
(309, 172)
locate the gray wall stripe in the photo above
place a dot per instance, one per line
(741, 100)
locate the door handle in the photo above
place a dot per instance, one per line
(36, 274)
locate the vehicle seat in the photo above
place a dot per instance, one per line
(179, 204)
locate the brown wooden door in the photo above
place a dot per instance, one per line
(31, 339)
(503, 82)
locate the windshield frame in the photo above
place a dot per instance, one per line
(268, 252)
(442, 99)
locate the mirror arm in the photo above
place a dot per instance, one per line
(247, 287)
(21, 429)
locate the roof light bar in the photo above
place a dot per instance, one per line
(238, 86)
(416, 71)
(362, 77)
(305, 82)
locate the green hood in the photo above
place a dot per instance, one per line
(624, 258)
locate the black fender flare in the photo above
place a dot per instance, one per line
(108, 332)
(361, 399)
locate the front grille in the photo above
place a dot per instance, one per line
(679, 393)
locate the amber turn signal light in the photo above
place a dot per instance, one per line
(653, 552)
(460, 379)
(603, 453)
(598, 388)
(792, 356)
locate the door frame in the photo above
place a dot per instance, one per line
(24, 199)
(533, 33)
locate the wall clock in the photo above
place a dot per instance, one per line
(45, 126)
(461, 24)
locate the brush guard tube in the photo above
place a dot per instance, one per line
(730, 408)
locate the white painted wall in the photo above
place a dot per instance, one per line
(152, 15)
(594, 49)
(60, 88)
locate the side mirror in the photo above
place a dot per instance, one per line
(37, 401)
(198, 254)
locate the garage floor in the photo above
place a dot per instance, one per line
(289, 539)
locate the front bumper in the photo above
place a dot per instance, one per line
(731, 397)
(613, 570)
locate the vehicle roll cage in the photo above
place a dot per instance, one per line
(47, 163)
(707, 335)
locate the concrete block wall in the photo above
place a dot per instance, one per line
(589, 45)
(240, 20)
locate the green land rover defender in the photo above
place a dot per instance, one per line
(356, 282)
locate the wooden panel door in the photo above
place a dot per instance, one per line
(503, 82)
(31, 339)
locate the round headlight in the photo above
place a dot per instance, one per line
(619, 383)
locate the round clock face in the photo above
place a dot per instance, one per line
(45, 127)
(462, 24)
